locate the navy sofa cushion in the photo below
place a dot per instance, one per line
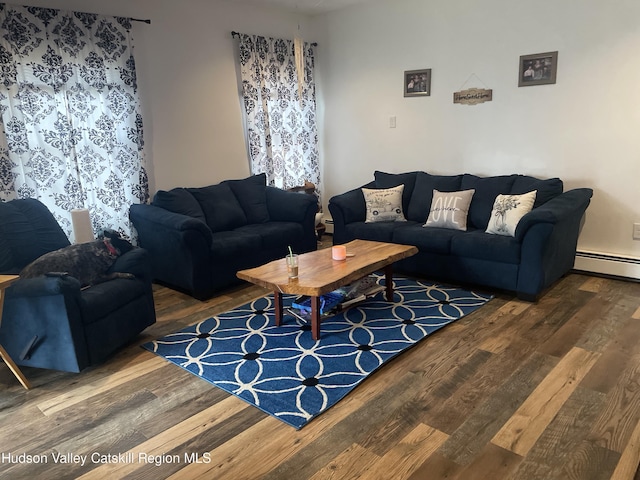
(28, 230)
(252, 195)
(220, 206)
(275, 234)
(390, 180)
(422, 196)
(234, 243)
(437, 240)
(486, 191)
(547, 189)
(485, 246)
(179, 200)
(378, 231)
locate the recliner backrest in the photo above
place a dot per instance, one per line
(28, 230)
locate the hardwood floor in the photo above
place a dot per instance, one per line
(515, 390)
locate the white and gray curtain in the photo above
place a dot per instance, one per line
(281, 126)
(70, 117)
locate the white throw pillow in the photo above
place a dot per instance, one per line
(450, 209)
(384, 204)
(507, 212)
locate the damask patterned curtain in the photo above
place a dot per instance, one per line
(70, 115)
(281, 127)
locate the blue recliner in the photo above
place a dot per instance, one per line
(48, 321)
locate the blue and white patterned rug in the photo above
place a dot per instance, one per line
(287, 374)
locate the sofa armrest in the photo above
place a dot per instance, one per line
(287, 206)
(347, 208)
(179, 246)
(153, 222)
(549, 237)
(295, 207)
(158, 218)
(350, 205)
(558, 209)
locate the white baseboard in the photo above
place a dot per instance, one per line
(607, 264)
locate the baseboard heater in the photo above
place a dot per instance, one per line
(608, 264)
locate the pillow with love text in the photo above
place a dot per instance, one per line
(450, 209)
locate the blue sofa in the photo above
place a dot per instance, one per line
(75, 327)
(541, 251)
(199, 238)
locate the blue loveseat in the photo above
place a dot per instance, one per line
(75, 327)
(541, 251)
(199, 238)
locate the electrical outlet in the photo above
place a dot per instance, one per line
(392, 121)
(636, 231)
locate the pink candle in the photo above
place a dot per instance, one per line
(339, 252)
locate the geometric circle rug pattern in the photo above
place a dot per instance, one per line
(287, 374)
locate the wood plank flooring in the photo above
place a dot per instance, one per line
(516, 390)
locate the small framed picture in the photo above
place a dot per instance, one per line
(417, 83)
(538, 69)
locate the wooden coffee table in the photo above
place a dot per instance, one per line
(320, 274)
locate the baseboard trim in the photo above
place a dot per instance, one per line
(608, 264)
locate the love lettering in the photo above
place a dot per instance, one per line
(444, 209)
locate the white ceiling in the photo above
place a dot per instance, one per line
(310, 7)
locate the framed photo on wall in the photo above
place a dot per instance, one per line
(538, 69)
(417, 83)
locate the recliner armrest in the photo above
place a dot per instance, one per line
(42, 325)
(137, 262)
(50, 284)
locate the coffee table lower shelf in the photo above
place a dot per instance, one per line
(339, 308)
(316, 315)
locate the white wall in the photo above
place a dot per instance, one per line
(188, 84)
(585, 129)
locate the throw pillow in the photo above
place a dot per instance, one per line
(389, 180)
(423, 193)
(179, 200)
(251, 193)
(220, 206)
(547, 189)
(487, 189)
(507, 212)
(450, 209)
(384, 204)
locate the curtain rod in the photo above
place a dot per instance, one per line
(147, 21)
(235, 34)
